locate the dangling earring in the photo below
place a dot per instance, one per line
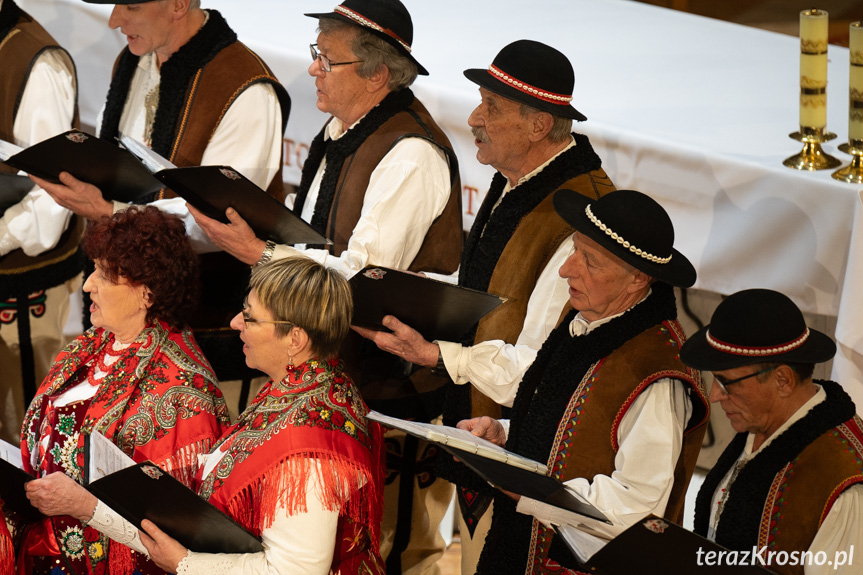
(290, 362)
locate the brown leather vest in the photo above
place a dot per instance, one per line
(804, 491)
(536, 239)
(599, 404)
(441, 249)
(21, 274)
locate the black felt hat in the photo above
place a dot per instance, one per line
(755, 326)
(387, 19)
(633, 227)
(531, 73)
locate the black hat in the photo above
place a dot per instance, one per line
(531, 73)
(387, 19)
(755, 326)
(633, 227)
(117, 1)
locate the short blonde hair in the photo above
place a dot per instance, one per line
(308, 295)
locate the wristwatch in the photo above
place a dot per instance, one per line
(440, 367)
(268, 253)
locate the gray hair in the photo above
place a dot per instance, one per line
(194, 5)
(561, 127)
(374, 53)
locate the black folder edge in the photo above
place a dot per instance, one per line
(36, 170)
(12, 480)
(665, 546)
(248, 213)
(360, 281)
(525, 483)
(13, 189)
(104, 489)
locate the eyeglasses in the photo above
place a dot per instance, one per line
(326, 63)
(249, 319)
(724, 383)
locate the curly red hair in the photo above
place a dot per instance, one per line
(146, 246)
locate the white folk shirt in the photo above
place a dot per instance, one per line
(47, 108)
(841, 529)
(249, 138)
(407, 191)
(496, 367)
(650, 437)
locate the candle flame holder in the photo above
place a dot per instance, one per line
(812, 157)
(853, 172)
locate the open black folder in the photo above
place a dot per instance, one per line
(13, 188)
(143, 491)
(436, 309)
(214, 189)
(12, 480)
(116, 172)
(654, 546)
(501, 468)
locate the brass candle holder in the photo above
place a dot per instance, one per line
(853, 172)
(812, 157)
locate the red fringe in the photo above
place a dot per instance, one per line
(343, 485)
(120, 560)
(7, 553)
(183, 463)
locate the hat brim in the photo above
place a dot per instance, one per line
(679, 271)
(485, 79)
(391, 41)
(117, 1)
(699, 354)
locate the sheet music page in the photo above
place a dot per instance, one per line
(11, 453)
(105, 457)
(8, 149)
(153, 161)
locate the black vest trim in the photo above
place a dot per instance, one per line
(542, 399)
(743, 508)
(338, 151)
(9, 16)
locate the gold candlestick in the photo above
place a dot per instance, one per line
(853, 173)
(813, 95)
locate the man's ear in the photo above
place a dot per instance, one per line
(786, 380)
(540, 125)
(379, 80)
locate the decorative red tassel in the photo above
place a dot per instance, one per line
(120, 560)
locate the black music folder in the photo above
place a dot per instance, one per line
(144, 491)
(436, 309)
(655, 546)
(12, 480)
(214, 189)
(501, 468)
(13, 188)
(115, 171)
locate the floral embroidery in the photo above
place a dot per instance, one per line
(72, 542)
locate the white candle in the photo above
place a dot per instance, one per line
(813, 68)
(855, 82)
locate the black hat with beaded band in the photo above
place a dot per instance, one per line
(387, 19)
(756, 326)
(631, 226)
(532, 73)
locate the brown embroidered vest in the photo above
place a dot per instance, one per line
(781, 496)
(536, 239)
(441, 249)
(587, 435)
(20, 47)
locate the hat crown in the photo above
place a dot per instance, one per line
(757, 318)
(638, 219)
(538, 65)
(391, 15)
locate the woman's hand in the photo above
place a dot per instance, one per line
(58, 494)
(164, 551)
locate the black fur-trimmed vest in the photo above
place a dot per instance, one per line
(780, 497)
(567, 412)
(197, 86)
(22, 41)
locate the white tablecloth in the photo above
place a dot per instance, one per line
(693, 111)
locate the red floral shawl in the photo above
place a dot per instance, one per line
(7, 564)
(315, 413)
(160, 402)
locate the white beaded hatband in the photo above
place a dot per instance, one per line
(756, 351)
(616, 237)
(362, 20)
(528, 89)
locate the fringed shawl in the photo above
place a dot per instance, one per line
(313, 420)
(7, 553)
